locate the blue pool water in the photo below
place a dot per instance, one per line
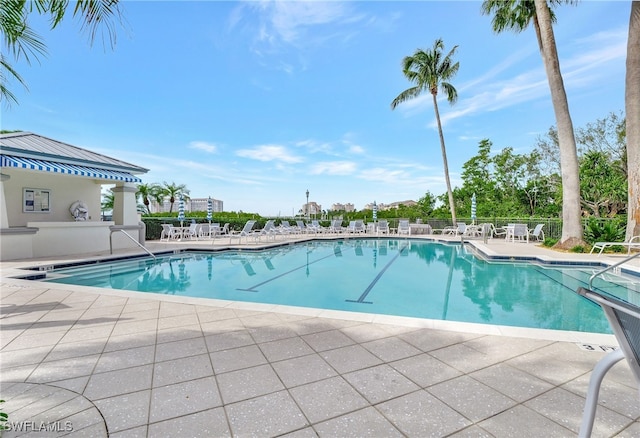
(388, 276)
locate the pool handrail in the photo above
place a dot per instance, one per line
(610, 267)
(114, 229)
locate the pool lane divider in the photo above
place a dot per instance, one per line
(253, 288)
(362, 298)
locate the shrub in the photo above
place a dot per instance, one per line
(549, 242)
(578, 248)
(598, 230)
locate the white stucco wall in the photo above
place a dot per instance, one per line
(65, 190)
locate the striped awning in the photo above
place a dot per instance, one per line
(68, 169)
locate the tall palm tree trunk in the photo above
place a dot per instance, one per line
(632, 110)
(444, 161)
(571, 213)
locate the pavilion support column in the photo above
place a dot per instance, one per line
(125, 210)
(4, 217)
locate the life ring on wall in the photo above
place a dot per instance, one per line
(79, 210)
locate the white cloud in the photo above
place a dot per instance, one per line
(333, 168)
(204, 146)
(269, 153)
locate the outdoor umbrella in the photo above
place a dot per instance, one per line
(473, 208)
(181, 210)
(375, 211)
(209, 209)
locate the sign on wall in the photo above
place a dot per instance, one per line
(36, 201)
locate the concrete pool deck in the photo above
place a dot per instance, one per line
(83, 362)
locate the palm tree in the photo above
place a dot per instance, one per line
(153, 191)
(108, 200)
(173, 190)
(430, 71)
(517, 15)
(632, 110)
(21, 41)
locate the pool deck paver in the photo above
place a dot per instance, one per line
(86, 362)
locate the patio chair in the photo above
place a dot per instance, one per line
(537, 233)
(168, 232)
(359, 227)
(497, 231)
(519, 232)
(634, 242)
(245, 232)
(194, 231)
(217, 231)
(403, 227)
(624, 319)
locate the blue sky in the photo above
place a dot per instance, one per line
(255, 102)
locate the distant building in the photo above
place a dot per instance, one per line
(200, 204)
(193, 204)
(311, 209)
(349, 208)
(396, 205)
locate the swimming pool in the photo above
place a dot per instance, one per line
(399, 277)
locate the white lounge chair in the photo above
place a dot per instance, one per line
(634, 242)
(302, 228)
(403, 227)
(383, 227)
(336, 226)
(269, 230)
(245, 232)
(284, 228)
(624, 319)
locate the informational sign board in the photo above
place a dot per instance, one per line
(36, 201)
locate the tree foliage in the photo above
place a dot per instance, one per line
(20, 41)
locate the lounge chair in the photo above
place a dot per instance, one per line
(537, 233)
(336, 226)
(269, 230)
(315, 227)
(403, 227)
(383, 227)
(624, 319)
(245, 232)
(302, 228)
(284, 228)
(634, 242)
(359, 227)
